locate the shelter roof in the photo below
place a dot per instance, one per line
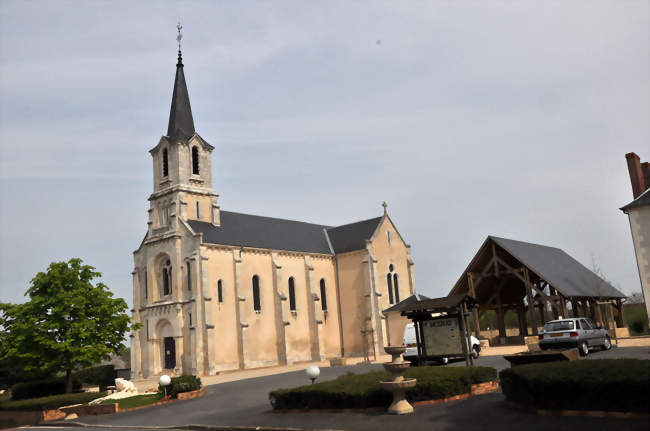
(438, 305)
(406, 302)
(642, 201)
(248, 230)
(560, 270)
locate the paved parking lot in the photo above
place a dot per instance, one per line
(245, 402)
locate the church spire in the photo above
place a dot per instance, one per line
(181, 123)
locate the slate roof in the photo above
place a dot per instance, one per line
(248, 230)
(562, 271)
(181, 122)
(352, 236)
(642, 201)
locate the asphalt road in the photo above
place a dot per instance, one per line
(245, 402)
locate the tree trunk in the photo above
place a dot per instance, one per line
(68, 381)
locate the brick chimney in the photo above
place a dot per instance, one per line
(639, 174)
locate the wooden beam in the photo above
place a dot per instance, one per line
(494, 259)
(483, 273)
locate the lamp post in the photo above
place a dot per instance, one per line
(164, 381)
(312, 372)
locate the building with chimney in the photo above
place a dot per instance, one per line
(217, 290)
(638, 212)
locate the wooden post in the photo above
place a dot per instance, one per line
(563, 307)
(574, 308)
(531, 304)
(418, 341)
(523, 326)
(621, 313)
(501, 323)
(542, 313)
(475, 318)
(464, 332)
(553, 293)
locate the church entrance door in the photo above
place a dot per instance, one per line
(170, 353)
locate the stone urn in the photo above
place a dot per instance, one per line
(398, 385)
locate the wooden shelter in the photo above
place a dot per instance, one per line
(530, 279)
(427, 310)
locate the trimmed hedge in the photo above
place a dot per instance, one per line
(51, 402)
(41, 388)
(364, 391)
(102, 376)
(602, 384)
(184, 383)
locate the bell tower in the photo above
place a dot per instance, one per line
(182, 168)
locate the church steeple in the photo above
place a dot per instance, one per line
(181, 123)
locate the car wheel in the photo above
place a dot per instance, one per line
(584, 349)
(475, 352)
(607, 344)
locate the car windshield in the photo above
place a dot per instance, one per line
(562, 325)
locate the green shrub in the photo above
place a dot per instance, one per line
(603, 384)
(41, 388)
(637, 320)
(102, 376)
(10, 375)
(184, 383)
(364, 390)
(51, 402)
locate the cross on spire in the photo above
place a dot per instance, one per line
(179, 27)
(385, 205)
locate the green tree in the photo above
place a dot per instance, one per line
(66, 323)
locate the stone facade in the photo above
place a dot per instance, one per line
(195, 298)
(638, 212)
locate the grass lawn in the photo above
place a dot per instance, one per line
(363, 390)
(136, 401)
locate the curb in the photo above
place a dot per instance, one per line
(191, 427)
(573, 413)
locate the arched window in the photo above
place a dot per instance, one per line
(323, 296)
(396, 287)
(219, 291)
(165, 163)
(257, 306)
(198, 210)
(195, 160)
(389, 282)
(292, 295)
(167, 278)
(189, 276)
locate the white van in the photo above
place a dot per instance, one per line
(411, 353)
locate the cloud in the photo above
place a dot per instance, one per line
(470, 119)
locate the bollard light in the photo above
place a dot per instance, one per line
(164, 381)
(312, 372)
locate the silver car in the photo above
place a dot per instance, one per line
(579, 332)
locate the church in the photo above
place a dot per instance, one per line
(218, 290)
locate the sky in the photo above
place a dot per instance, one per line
(506, 118)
